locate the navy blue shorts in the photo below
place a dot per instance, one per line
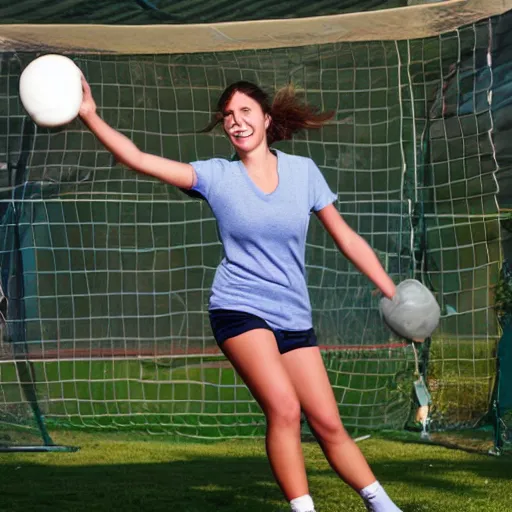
(227, 323)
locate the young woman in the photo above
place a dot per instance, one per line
(259, 306)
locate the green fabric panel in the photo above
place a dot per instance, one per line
(505, 364)
(142, 12)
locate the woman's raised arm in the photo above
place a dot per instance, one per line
(127, 153)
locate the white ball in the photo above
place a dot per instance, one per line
(51, 90)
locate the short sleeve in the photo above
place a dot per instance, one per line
(206, 171)
(320, 195)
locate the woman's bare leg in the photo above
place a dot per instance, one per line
(311, 383)
(255, 357)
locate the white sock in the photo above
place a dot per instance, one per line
(302, 504)
(376, 499)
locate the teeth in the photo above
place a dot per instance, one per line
(242, 135)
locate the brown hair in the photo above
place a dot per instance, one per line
(288, 114)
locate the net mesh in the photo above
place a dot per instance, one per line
(108, 290)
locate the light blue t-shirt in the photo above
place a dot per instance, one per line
(264, 237)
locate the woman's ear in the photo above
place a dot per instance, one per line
(268, 121)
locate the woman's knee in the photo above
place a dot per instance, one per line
(328, 428)
(284, 411)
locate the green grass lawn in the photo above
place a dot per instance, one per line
(109, 473)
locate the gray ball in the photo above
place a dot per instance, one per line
(413, 312)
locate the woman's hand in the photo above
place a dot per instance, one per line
(88, 105)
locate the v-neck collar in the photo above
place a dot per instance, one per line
(255, 187)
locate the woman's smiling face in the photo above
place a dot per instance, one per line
(245, 123)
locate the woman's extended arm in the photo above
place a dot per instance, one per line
(356, 249)
(126, 152)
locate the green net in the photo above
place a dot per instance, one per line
(113, 268)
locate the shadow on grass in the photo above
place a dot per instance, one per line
(437, 472)
(471, 479)
(198, 484)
